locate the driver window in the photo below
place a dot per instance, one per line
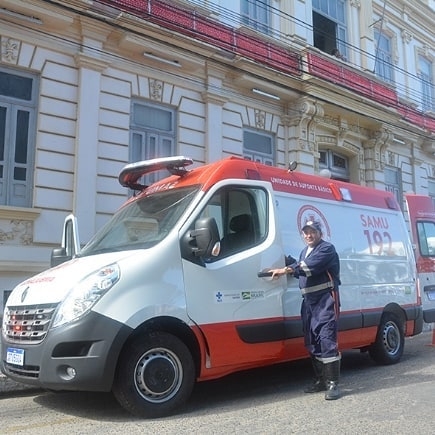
(241, 217)
(426, 236)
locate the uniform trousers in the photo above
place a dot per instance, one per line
(319, 314)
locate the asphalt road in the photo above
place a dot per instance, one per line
(396, 399)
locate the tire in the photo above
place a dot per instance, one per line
(155, 375)
(390, 341)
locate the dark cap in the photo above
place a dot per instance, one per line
(315, 225)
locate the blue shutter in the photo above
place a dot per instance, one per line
(3, 166)
(21, 151)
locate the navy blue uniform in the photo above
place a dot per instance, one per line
(318, 274)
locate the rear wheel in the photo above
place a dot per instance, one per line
(390, 340)
(155, 375)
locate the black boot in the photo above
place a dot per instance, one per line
(319, 380)
(332, 377)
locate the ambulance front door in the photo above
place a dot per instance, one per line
(239, 314)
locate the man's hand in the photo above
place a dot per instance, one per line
(276, 273)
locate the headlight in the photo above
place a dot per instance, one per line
(85, 294)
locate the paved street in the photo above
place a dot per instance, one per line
(376, 400)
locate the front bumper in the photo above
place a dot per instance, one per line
(80, 356)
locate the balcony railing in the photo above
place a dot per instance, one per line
(237, 41)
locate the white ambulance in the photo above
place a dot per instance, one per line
(168, 293)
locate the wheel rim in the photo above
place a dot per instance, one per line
(391, 338)
(158, 375)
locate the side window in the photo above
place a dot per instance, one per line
(18, 96)
(426, 238)
(152, 134)
(241, 217)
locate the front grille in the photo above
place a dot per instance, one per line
(27, 324)
(25, 371)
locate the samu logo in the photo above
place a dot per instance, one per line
(310, 213)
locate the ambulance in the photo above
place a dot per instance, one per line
(175, 288)
(421, 214)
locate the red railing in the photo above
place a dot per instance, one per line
(202, 28)
(196, 26)
(347, 77)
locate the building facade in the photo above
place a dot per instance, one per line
(88, 86)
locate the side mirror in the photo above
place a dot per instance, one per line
(206, 238)
(59, 256)
(70, 246)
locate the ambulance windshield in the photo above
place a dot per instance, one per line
(142, 223)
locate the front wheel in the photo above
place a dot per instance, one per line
(390, 340)
(155, 375)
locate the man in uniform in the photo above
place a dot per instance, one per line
(318, 270)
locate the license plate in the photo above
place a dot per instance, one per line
(15, 356)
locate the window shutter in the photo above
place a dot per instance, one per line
(20, 156)
(3, 166)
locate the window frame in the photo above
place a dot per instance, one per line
(154, 142)
(426, 84)
(396, 188)
(337, 172)
(256, 15)
(230, 201)
(267, 158)
(384, 57)
(431, 190)
(9, 163)
(333, 11)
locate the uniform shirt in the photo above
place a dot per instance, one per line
(319, 271)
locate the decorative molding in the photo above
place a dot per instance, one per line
(428, 146)
(156, 90)
(10, 50)
(355, 3)
(407, 36)
(326, 139)
(16, 232)
(17, 213)
(352, 148)
(16, 225)
(391, 158)
(86, 61)
(260, 119)
(213, 98)
(375, 147)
